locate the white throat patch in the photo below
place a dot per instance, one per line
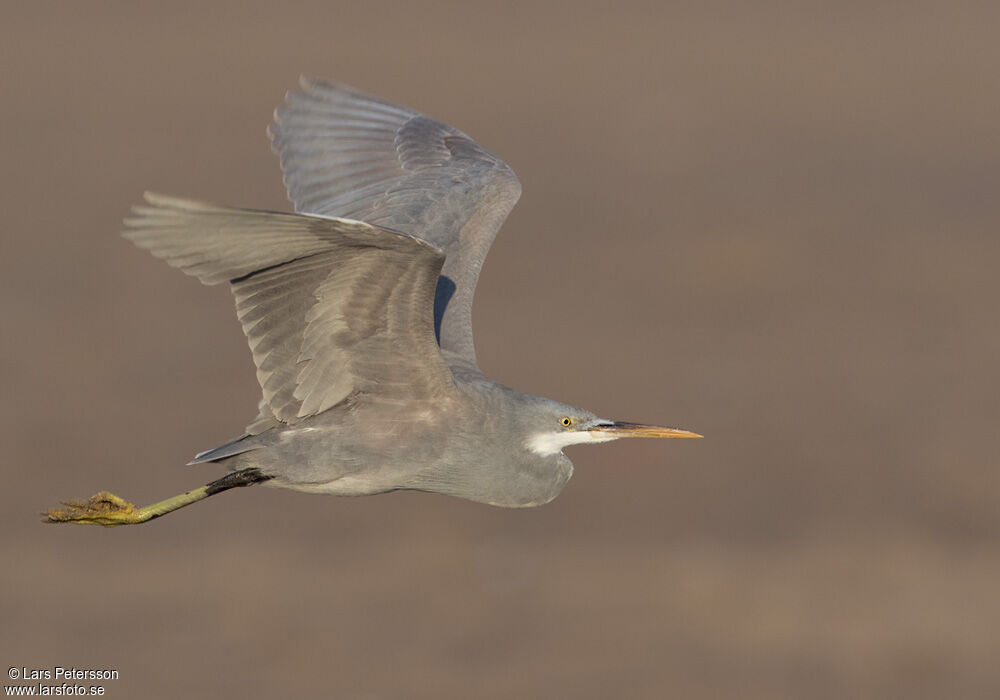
(547, 444)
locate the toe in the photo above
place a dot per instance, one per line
(102, 508)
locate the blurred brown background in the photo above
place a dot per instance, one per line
(775, 224)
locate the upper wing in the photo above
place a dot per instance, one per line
(330, 306)
(345, 153)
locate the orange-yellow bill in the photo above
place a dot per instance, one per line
(622, 429)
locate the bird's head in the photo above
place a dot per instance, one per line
(555, 426)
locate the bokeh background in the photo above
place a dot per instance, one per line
(772, 223)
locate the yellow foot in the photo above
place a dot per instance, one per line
(102, 508)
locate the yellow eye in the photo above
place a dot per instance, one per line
(567, 421)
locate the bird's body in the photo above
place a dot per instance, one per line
(358, 314)
(364, 447)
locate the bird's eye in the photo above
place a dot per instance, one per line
(567, 421)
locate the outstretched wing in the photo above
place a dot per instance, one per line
(329, 306)
(345, 153)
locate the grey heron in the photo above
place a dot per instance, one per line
(357, 309)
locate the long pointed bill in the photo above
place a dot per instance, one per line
(612, 430)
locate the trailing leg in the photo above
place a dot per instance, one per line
(107, 509)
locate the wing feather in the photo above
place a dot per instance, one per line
(346, 153)
(329, 306)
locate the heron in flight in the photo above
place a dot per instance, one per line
(358, 314)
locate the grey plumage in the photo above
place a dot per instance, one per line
(345, 153)
(357, 310)
(329, 306)
(357, 397)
